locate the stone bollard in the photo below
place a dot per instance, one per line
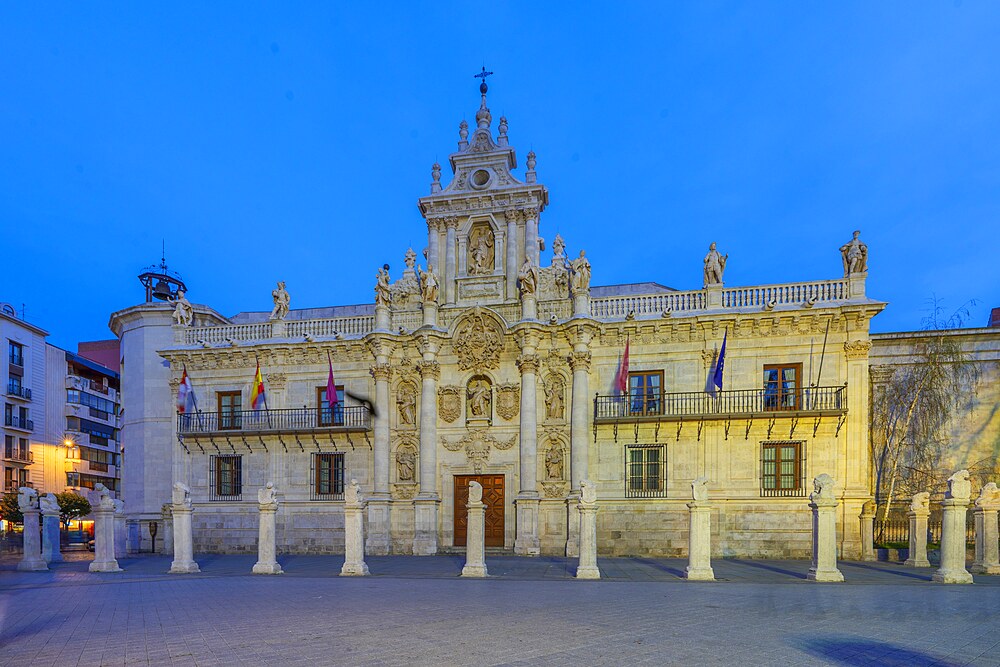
(475, 542)
(587, 568)
(953, 509)
(167, 519)
(987, 548)
(183, 533)
(824, 505)
(354, 532)
(867, 518)
(104, 532)
(31, 560)
(699, 567)
(50, 528)
(119, 531)
(919, 511)
(267, 503)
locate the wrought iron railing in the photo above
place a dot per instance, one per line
(20, 455)
(296, 420)
(13, 421)
(18, 390)
(730, 402)
(896, 530)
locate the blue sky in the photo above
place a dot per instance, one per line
(291, 141)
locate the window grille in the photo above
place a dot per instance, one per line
(326, 476)
(782, 469)
(225, 477)
(645, 471)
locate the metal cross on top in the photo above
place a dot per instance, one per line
(482, 75)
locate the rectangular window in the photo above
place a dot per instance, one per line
(782, 468)
(230, 409)
(328, 476)
(645, 471)
(645, 393)
(226, 477)
(16, 355)
(96, 402)
(783, 387)
(9, 483)
(328, 417)
(9, 446)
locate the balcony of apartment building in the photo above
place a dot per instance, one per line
(87, 412)
(15, 454)
(17, 391)
(18, 422)
(97, 387)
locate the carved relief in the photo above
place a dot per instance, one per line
(406, 404)
(478, 342)
(479, 396)
(477, 444)
(857, 349)
(554, 458)
(508, 400)
(277, 380)
(406, 463)
(481, 260)
(450, 403)
(554, 489)
(555, 393)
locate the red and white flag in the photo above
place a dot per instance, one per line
(185, 395)
(331, 386)
(621, 379)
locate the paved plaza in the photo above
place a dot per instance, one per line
(416, 611)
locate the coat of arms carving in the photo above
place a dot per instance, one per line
(478, 342)
(450, 402)
(508, 400)
(477, 444)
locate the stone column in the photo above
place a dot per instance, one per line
(50, 529)
(475, 542)
(354, 532)
(526, 543)
(919, 511)
(183, 532)
(511, 268)
(579, 445)
(587, 507)
(119, 529)
(31, 560)
(425, 505)
(824, 505)
(104, 537)
(267, 505)
(166, 513)
(699, 567)
(382, 317)
(433, 227)
(430, 313)
(987, 548)
(451, 225)
(867, 518)
(953, 509)
(531, 236)
(378, 508)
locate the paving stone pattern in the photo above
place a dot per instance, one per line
(416, 611)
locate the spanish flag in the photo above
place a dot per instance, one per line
(258, 398)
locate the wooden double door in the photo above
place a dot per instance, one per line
(492, 497)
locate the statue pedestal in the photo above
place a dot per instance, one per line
(50, 538)
(824, 562)
(104, 541)
(529, 307)
(952, 570)
(987, 554)
(699, 566)
(856, 285)
(475, 542)
(572, 526)
(354, 541)
(526, 543)
(278, 329)
(377, 541)
(381, 317)
(31, 560)
(587, 569)
(425, 525)
(918, 538)
(581, 303)
(267, 562)
(713, 295)
(183, 562)
(430, 314)
(867, 518)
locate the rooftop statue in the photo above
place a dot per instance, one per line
(281, 302)
(580, 279)
(528, 276)
(715, 266)
(855, 255)
(428, 285)
(382, 295)
(183, 312)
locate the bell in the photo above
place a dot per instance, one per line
(162, 290)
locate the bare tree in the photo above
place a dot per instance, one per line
(911, 410)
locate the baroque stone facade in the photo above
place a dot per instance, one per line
(492, 364)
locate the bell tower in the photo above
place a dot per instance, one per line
(483, 223)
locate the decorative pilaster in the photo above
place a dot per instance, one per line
(953, 510)
(354, 532)
(587, 507)
(425, 506)
(856, 455)
(823, 503)
(267, 506)
(579, 361)
(475, 544)
(451, 225)
(378, 508)
(512, 216)
(526, 542)
(433, 236)
(867, 518)
(985, 515)
(531, 236)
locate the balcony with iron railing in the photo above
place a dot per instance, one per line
(18, 390)
(20, 423)
(81, 383)
(734, 403)
(18, 455)
(261, 422)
